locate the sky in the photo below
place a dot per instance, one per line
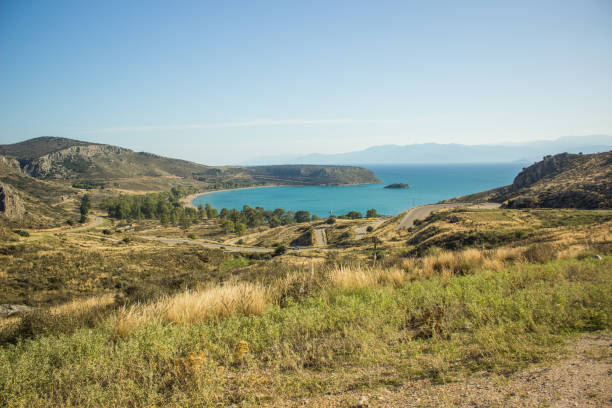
(221, 82)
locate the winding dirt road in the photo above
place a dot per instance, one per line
(423, 211)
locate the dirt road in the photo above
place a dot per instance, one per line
(423, 211)
(320, 236)
(361, 231)
(230, 248)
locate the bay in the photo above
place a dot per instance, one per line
(428, 184)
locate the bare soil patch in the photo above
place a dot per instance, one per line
(581, 378)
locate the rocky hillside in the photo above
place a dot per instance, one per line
(28, 202)
(54, 158)
(10, 204)
(560, 181)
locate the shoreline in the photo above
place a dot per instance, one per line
(188, 200)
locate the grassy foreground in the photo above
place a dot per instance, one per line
(339, 330)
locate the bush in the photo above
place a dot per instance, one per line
(280, 249)
(539, 253)
(22, 233)
(331, 220)
(370, 228)
(345, 235)
(107, 232)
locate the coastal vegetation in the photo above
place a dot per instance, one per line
(149, 302)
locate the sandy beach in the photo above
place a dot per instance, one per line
(188, 200)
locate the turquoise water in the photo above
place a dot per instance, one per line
(429, 184)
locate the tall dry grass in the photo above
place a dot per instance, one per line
(192, 307)
(447, 263)
(80, 307)
(357, 278)
(64, 318)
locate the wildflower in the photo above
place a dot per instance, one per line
(241, 350)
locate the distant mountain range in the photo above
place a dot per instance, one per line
(451, 153)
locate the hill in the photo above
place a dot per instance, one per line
(453, 153)
(66, 159)
(41, 179)
(561, 181)
(27, 201)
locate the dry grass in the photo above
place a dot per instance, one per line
(83, 306)
(506, 254)
(358, 278)
(192, 307)
(447, 264)
(77, 309)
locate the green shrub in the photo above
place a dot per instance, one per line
(22, 233)
(541, 252)
(280, 249)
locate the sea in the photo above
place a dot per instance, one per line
(428, 184)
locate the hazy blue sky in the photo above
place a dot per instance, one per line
(219, 82)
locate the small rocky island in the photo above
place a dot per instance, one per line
(398, 185)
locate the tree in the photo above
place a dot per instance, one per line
(211, 212)
(315, 217)
(228, 225)
(376, 241)
(274, 222)
(331, 220)
(85, 207)
(281, 249)
(371, 213)
(184, 221)
(353, 215)
(240, 228)
(302, 216)
(201, 212)
(286, 219)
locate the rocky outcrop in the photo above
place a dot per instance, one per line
(11, 206)
(69, 162)
(9, 165)
(7, 310)
(560, 181)
(550, 166)
(563, 181)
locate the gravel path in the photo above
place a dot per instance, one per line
(320, 236)
(583, 378)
